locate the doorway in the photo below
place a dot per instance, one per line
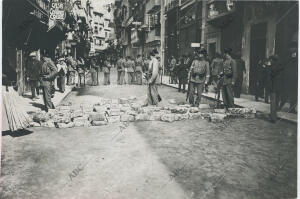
(257, 52)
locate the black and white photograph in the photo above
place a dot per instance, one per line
(149, 99)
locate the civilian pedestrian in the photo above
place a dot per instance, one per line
(106, 70)
(139, 70)
(33, 68)
(62, 69)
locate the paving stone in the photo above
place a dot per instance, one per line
(115, 112)
(123, 101)
(142, 117)
(204, 106)
(97, 117)
(62, 119)
(131, 112)
(168, 117)
(49, 124)
(114, 106)
(35, 124)
(194, 110)
(99, 123)
(114, 119)
(127, 118)
(156, 116)
(80, 119)
(125, 109)
(77, 113)
(79, 124)
(180, 110)
(136, 106)
(132, 98)
(193, 116)
(217, 117)
(220, 111)
(100, 109)
(172, 101)
(185, 105)
(182, 117)
(63, 125)
(115, 101)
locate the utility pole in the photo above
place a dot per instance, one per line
(203, 26)
(162, 35)
(197, 21)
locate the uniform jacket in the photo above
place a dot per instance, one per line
(230, 71)
(205, 66)
(48, 71)
(106, 67)
(33, 69)
(139, 65)
(216, 66)
(130, 66)
(120, 65)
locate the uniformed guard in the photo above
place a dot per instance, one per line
(106, 70)
(33, 74)
(199, 76)
(139, 70)
(229, 79)
(48, 74)
(130, 69)
(93, 72)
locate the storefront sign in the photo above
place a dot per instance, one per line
(134, 36)
(195, 45)
(57, 10)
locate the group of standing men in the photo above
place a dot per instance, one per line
(130, 70)
(198, 72)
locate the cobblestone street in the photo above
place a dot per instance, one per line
(234, 159)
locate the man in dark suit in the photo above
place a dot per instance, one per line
(230, 77)
(48, 74)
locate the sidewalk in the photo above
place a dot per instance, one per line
(31, 106)
(244, 101)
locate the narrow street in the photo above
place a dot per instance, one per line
(197, 159)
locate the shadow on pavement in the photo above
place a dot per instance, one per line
(18, 133)
(38, 105)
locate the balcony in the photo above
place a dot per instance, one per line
(172, 5)
(153, 6)
(220, 13)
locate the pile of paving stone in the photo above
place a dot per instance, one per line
(128, 110)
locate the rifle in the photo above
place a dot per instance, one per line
(218, 89)
(188, 91)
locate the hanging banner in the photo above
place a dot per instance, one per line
(57, 13)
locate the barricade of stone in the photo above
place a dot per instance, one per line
(127, 110)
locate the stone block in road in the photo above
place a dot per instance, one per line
(185, 105)
(127, 118)
(156, 116)
(132, 98)
(204, 106)
(194, 110)
(179, 117)
(100, 109)
(123, 101)
(114, 119)
(97, 117)
(125, 109)
(63, 125)
(194, 116)
(99, 123)
(35, 124)
(62, 119)
(131, 112)
(80, 119)
(217, 117)
(142, 117)
(172, 101)
(220, 111)
(114, 101)
(115, 112)
(179, 110)
(77, 113)
(168, 117)
(136, 106)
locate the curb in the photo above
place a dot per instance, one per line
(211, 98)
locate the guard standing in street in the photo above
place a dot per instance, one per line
(130, 69)
(240, 66)
(106, 70)
(139, 70)
(229, 79)
(275, 87)
(199, 76)
(216, 68)
(182, 72)
(93, 72)
(119, 69)
(33, 74)
(62, 69)
(48, 74)
(71, 70)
